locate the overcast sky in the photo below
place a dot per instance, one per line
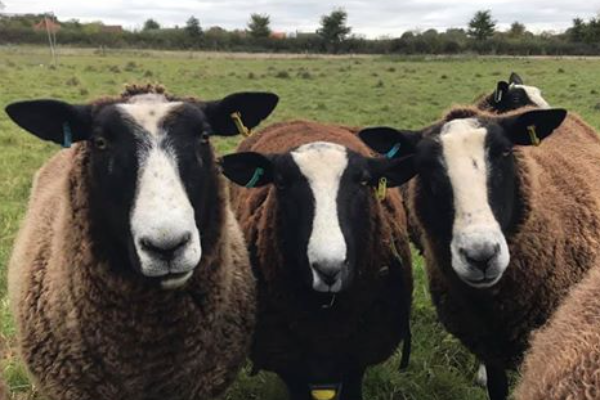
(372, 18)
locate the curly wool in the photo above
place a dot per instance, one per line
(564, 359)
(88, 331)
(368, 322)
(552, 248)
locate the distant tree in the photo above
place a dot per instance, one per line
(408, 35)
(482, 26)
(193, 29)
(150, 25)
(333, 27)
(592, 31)
(577, 32)
(517, 29)
(457, 34)
(259, 26)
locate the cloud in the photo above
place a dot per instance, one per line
(370, 18)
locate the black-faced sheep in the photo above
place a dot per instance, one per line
(564, 358)
(512, 95)
(332, 262)
(130, 278)
(508, 96)
(507, 227)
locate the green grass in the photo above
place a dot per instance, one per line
(405, 93)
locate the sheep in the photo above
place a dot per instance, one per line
(512, 95)
(504, 238)
(508, 96)
(130, 278)
(564, 357)
(333, 264)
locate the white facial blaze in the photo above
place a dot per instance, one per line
(475, 228)
(148, 110)
(534, 94)
(463, 144)
(162, 213)
(323, 165)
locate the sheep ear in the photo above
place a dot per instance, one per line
(391, 142)
(501, 91)
(397, 171)
(247, 169)
(252, 107)
(531, 127)
(515, 79)
(52, 120)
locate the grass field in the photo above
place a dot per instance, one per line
(405, 93)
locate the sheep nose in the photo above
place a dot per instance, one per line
(165, 248)
(481, 256)
(329, 272)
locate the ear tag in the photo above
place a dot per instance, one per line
(535, 140)
(381, 190)
(255, 178)
(323, 394)
(498, 96)
(237, 120)
(393, 151)
(67, 136)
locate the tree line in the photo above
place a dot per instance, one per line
(333, 36)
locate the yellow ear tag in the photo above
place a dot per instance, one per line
(381, 190)
(535, 140)
(323, 394)
(237, 120)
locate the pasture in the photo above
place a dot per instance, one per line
(405, 93)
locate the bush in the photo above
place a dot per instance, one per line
(283, 75)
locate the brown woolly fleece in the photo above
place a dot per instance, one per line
(486, 102)
(564, 359)
(551, 248)
(87, 332)
(367, 322)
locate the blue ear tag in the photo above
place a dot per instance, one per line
(67, 136)
(393, 151)
(255, 178)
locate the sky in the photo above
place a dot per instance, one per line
(370, 18)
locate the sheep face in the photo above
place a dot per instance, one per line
(324, 192)
(165, 164)
(153, 184)
(467, 189)
(514, 94)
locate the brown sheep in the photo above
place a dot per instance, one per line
(507, 97)
(504, 239)
(130, 278)
(564, 359)
(333, 264)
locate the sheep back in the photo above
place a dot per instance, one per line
(564, 358)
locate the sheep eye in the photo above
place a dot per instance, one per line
(100, 143)
(506, 152)
(280, 184)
